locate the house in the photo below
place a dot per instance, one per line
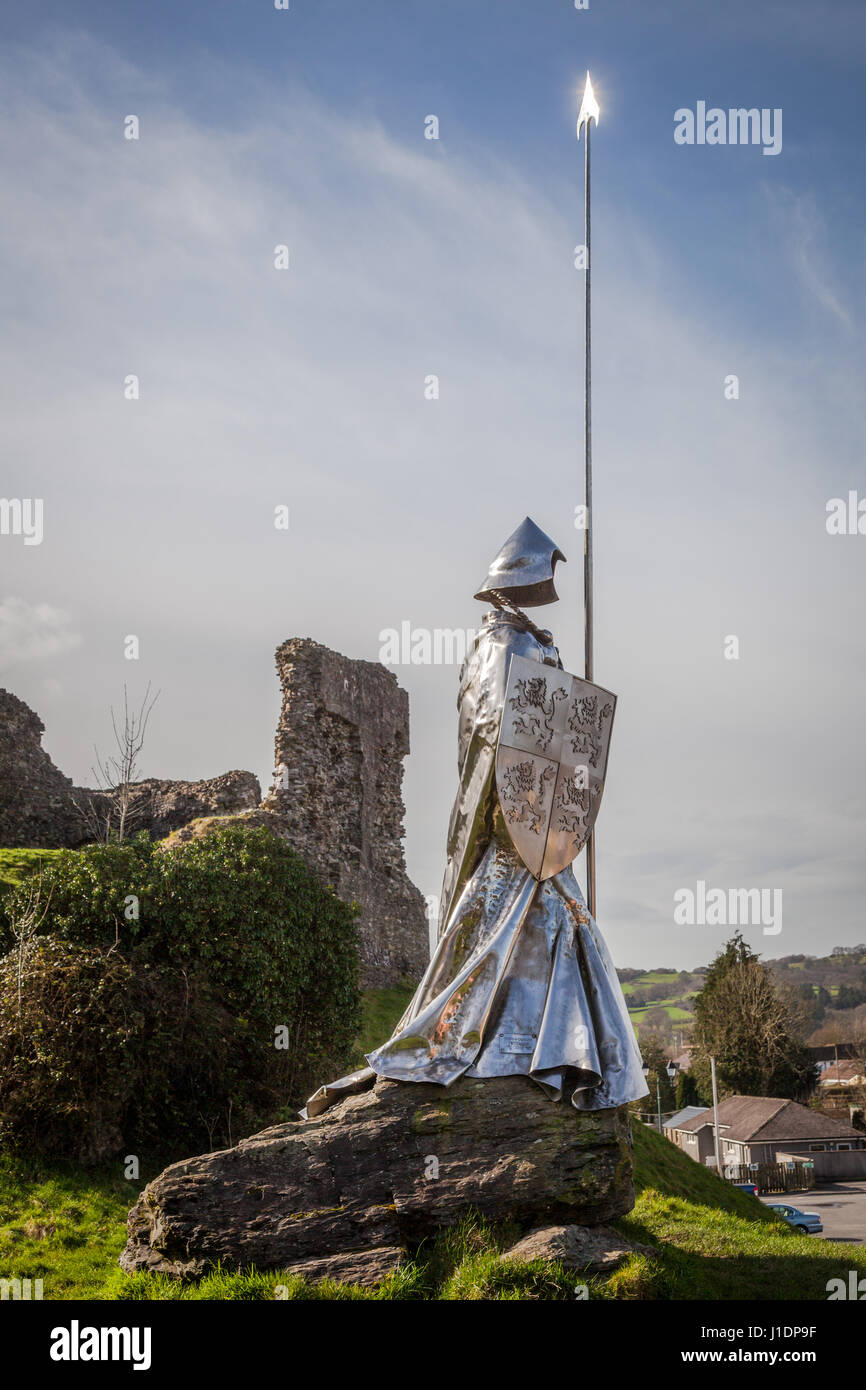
(683, 1059)
(832, 1052)
(673, 1126)
(757, 1129)
(694, 1134)
(846, 1074)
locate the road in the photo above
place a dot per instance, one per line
(840, 1205)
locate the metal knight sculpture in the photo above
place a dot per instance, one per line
(521, 982)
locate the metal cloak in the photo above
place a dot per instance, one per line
(521, 982)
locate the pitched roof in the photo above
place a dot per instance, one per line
(836, 1072)
(683, 1060)
(687, 1113)
(768, 1119)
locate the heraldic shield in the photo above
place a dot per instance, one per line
(551, 760)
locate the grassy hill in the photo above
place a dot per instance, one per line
(669, 990)
(844, 966)
(673, 991)
(66, 1226)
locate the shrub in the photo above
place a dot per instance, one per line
(64, 1048)
(175, 998)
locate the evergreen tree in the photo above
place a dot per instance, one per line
(744, 1020)
(657, 1060)
(687, 1090)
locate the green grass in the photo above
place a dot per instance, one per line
(674, 1012)
(383, 1008)
(63, 1224)
(15, 864)
(717, 1242)
(66, 1226)
(671, 1005)
(650, 977)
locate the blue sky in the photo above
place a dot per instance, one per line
(452, 256)
(505, 77)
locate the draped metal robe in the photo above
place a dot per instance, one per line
(521, 981)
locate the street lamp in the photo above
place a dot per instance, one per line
(671, 1073)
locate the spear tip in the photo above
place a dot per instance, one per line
(588, 107)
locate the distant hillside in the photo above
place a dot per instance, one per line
(661, 999)
(845, 966)
(832, 989)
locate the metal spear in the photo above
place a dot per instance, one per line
(588, 113)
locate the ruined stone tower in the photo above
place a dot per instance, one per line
(342, 735)
(36, 800)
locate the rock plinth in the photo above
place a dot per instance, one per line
(350, 1193)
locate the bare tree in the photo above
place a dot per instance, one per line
(25, 920)
(116, 805)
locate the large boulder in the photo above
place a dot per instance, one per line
(349, 1193)
(591, 1249)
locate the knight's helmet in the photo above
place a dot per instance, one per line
(523, 570)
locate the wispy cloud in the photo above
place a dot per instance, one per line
(305, 387)
(32, 632)
(803, 232)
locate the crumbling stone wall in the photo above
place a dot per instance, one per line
(342, 735)
(41, 809)
(160, 806)
(36, 800)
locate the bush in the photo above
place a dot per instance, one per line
(144, 1011)
(65, 1048)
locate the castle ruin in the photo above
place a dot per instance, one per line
(342, 735)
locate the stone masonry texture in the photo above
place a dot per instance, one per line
(350, 1193)
(41, 809)
(342, 735)
(37, 808)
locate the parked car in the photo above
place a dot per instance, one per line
(746, 1187)
(809, 1222)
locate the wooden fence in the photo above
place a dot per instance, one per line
(773, 1177)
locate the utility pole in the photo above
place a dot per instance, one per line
(589, 112)
(716, 1116)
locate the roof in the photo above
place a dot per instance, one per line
(769, 1119)
(830, 1051)
(687, 1113)
(835, 1072)
(683, 1060)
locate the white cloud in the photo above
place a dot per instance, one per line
(803, 231)
(33, 632)
(306, 387)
